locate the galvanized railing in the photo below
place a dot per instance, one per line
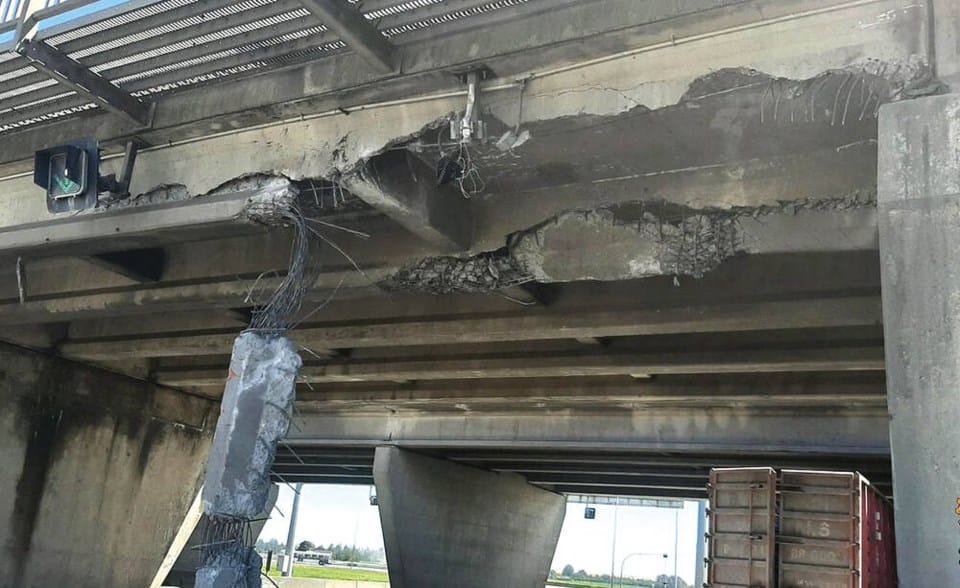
(12, 10)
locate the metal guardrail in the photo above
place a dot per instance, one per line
(12, 10)
(149, 48)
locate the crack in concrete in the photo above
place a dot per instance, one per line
(627, 241)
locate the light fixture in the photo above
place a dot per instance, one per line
(70, 175)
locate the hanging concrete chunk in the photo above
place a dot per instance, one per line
(254, 416)
(233, 569)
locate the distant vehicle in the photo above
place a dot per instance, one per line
(321, 557)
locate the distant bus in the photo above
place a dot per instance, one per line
(321, 557)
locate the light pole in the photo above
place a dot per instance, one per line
(613, 554)
(291, 533)
(676, 540)
(638, 553)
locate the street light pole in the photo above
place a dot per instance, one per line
(292, 531)
(613, 554)
(676, 540)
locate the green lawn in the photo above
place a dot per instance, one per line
(596, 584)
(325, 573)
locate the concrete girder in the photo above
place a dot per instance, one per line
(785, 392)
(362, 136)
(563, 365)
(406, 189)
(797, 314)
(741, 279)
(520, 44)
(723, 431)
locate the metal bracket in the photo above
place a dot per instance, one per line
(357, 32)
(69, 72)
(471, 127)
(119, 187)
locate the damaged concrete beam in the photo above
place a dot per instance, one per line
(161, 216)
(644, 239)
(401, 186)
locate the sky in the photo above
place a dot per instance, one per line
(339, 514)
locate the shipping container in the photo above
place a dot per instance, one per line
(836, 531)
(825, 530)
(743, 507)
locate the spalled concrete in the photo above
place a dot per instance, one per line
(644, 239)
(254, 415)
(99, 472)
(919, 203)
(446, 524)
(182, 573)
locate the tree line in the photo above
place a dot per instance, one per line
(662, 581)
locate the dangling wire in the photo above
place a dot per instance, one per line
(470, 181)
(277, 315)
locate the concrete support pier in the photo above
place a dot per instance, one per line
(919, 205)
(99, 472)
(446, 524)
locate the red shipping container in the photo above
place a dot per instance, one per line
(833, 530)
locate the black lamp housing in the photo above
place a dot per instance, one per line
(70, 174)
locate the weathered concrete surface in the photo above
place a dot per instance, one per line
(99, 471)
(644, 239)
(446, 524)
(946, 41)
(919, 200)
(254, 415)
(731, 429)
(884, 37)
(405, 188)
(183, 572)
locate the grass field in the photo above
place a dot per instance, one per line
(325, 573)
(595, 584)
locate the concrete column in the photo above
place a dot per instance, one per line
(919, 206)
(98, 472)
(445, 524)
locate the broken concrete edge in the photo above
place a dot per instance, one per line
(880, 82)
(318, 196)
(662, 239)
(886, 81)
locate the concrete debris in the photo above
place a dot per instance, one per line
(254, 416)
(159, 195)
(643, 239)
(484, 272)
(316, 196)
(275, 196)
(238, 568)
(512, 139)
(658, 240)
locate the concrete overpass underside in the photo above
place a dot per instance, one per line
(665, 259)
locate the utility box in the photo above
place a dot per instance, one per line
(827, 529)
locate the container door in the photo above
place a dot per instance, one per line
(819, 534)
(743, 506)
